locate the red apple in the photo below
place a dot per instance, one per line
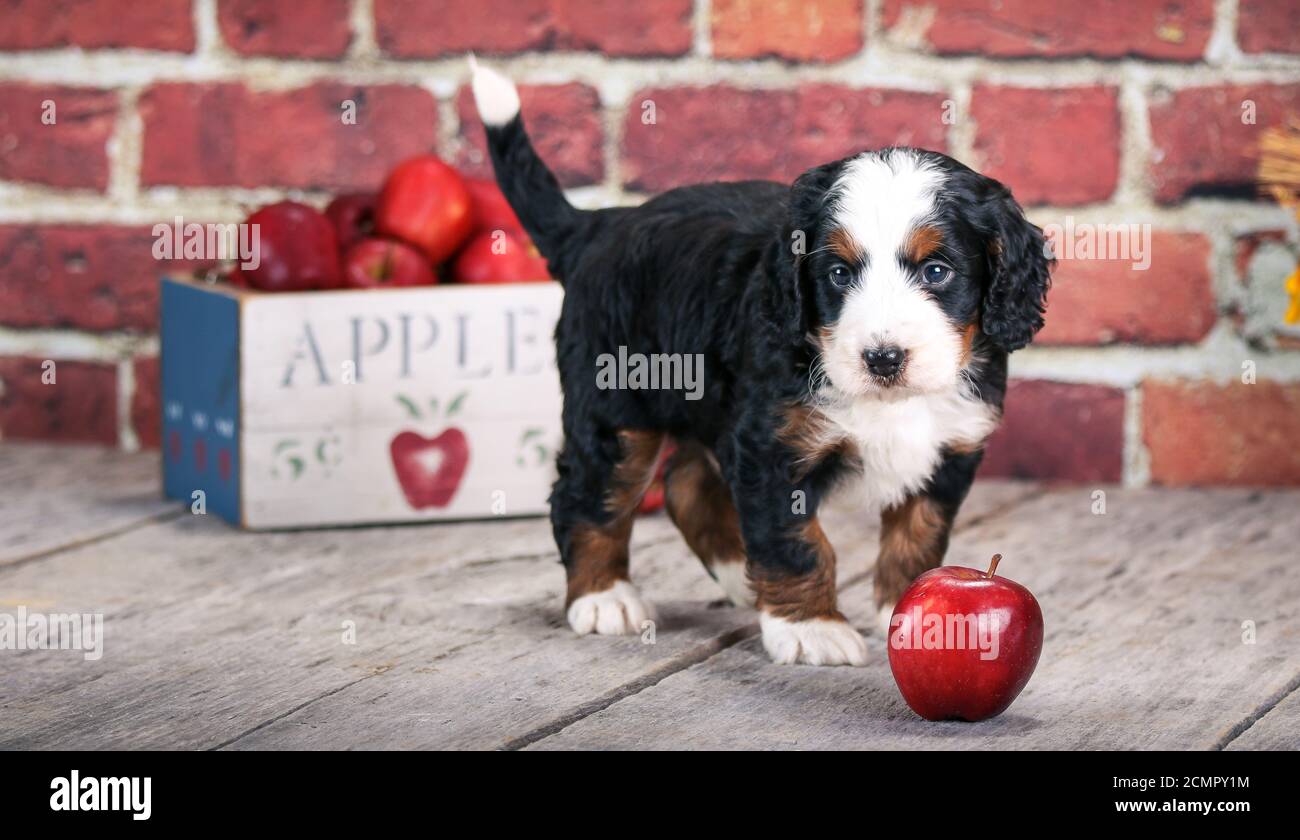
(376, 263)
(490, 209)
(297, 249)
(963, 643)
(429, 469)
(498, 256)
(353, 217)
(424, 202)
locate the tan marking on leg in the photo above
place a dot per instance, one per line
(913, 539)
(633, 474)
(700, 505)
(803, 597)
(599, 553)
(599, 557)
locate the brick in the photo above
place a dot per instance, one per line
(796, 30)
(224, 134)
(91, 277)
(564, 122)
(1268, 26)
(166, 25)
(726, 133)
(1172, 30)
(1203, 143)
(1104, 301)
(1058, 431)
(1050, 146)
(79, 406)
(71, 152)
(424, 29)
(1205, 433)
(146, 404)
(304, 29)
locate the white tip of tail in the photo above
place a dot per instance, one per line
(494, 94)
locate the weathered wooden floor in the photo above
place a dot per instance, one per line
(216, 639)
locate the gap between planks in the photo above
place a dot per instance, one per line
(1243, 726)
(94, 539)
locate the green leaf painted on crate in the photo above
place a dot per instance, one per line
(433, 406)
(285, 444)
(456, 403)
(529, 434)
(410, 406)
(298, 465)
(542, 453)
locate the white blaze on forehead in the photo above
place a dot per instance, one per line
(882, 198)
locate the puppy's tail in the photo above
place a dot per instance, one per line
(527, 183)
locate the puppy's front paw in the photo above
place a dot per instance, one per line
(617, 611)
(819, 641)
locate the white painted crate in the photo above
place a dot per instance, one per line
(335, 408)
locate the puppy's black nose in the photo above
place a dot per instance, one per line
(885, 361)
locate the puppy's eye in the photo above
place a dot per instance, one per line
(840, 275)
(935, 273)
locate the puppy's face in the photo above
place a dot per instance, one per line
(912, 257)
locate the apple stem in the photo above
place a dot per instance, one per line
(993, 566)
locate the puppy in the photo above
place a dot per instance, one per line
(855, 324)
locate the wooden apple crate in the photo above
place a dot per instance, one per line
(345, 407)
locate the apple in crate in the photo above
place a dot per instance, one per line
(383, 263)
(424, 203)
(353, 217)
(963, 643)
(499, 256)
(489, 207)
(296, 247)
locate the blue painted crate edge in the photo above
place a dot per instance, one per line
(200, 396)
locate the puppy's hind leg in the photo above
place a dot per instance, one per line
(699, 503)
(602, 478)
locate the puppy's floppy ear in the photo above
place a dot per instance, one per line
(809, 204)
(1019, 272)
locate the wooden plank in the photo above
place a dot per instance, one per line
(530, 675)
(216, 638)
(1143, 608)
(59, 495)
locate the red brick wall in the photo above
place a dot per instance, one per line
(1110, 112)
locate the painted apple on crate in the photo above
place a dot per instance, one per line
(430, 469)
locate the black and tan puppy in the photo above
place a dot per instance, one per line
(855, 325)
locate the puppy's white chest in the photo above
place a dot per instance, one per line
(901, 442)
